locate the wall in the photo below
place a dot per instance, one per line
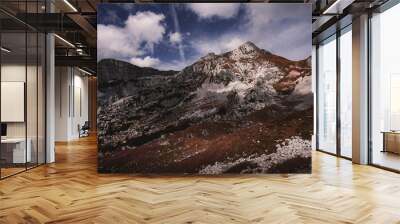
(33, 127)
(71, 102)
(80, 103)
(14, 73)
(61, 103)
(92, 90)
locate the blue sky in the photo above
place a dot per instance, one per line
(172, 36)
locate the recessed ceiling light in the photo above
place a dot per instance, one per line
(70, 5)
(86, 72)
(64, 40)
(5, 50)
(337, 7)
(331, 7)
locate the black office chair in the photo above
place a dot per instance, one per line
(84, 130)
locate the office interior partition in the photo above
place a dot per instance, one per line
(23, 86)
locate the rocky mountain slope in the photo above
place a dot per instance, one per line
(138, 106)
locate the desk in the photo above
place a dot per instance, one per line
(391, 141)
(13, 150)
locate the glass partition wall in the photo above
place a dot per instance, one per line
(327, 95)
(345, 91)
(22, 78)
(385, 89)
(334, 93)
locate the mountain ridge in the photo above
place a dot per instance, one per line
(248, 45)
(139, 104)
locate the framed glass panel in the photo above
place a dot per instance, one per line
(327, 95)
(346, 92)
(385, 89)
(41, 109)
(14, 153)
(32, 98)
(22, 78)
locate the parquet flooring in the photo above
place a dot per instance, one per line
(10, 171)
(71, 191)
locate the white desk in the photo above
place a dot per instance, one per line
(19, 155)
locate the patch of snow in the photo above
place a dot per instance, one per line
(302, 94)
(189, 155)
(240, 87)
(199, 114)
(122, 100)
(164, 143)
(294, 147)
(303, 87)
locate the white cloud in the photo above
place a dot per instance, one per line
(111, 16)
(176, 65)
(146, 27)
(139, 35)
(270, 27)
(209, 10)
(175, 38)
(233, 43)
(273, 28)
(126, 6)
(113, 42)
(145, 62)
(224, 43)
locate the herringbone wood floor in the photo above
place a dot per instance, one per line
(71, 191)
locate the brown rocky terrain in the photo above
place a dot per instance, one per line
(235, 112)
(191, 149)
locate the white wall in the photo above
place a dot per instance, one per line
(14, 72)
(33, 126)
(80, 112)
(71, 94)
(62, 81)
(17, 73)
(13, 101)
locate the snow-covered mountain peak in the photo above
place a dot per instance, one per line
(248, 70)
(247, 47)
(209, 56)
(245, 51)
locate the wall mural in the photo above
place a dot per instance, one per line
(204, 88)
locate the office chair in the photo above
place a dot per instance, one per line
(84, 130)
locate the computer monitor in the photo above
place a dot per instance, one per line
(3, 129)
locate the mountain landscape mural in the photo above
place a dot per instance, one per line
(236, 109)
